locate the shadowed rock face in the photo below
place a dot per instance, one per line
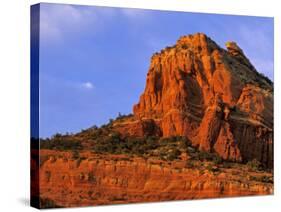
(213, 96)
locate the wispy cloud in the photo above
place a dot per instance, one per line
(59, 21)
(69, 85)
(87, 85)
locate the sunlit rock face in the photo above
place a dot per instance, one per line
(115, 179)
(213, 96)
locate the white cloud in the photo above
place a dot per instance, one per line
(69, 84)
(58, 21)
(87, 85)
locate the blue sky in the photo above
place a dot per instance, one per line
(94, 60)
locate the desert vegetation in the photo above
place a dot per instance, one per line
(104, 140)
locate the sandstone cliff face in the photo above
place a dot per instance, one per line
(213, 96)
(113, 179)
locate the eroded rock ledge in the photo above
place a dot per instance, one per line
(114, 179)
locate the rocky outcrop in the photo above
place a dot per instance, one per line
(111, 179)
(139, 128)
(213, 96)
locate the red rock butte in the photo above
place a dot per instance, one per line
(213, 96)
